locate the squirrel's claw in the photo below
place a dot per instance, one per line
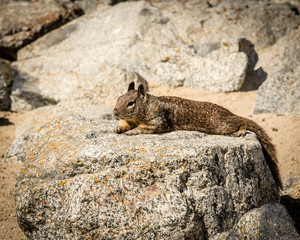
(132, 132)
(119, 130)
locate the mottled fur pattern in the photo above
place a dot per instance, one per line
(142, 113)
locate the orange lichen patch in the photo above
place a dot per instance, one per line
(96, 181)
(132, 159)
(24, 171)
(142, 150)
(62, 183)
(167, 59)
(56, 145)
(24, 188)
(225, 44)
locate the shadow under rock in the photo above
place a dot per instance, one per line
(25, 88)
(293, 207)
(5, 122)
(254, 79)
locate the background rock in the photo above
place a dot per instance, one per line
(108, 86)
(104, 90)
(285, 53)
(214, 67)
(281, 94)
(129, 36)
(261, 22)
(90, 5)
(269, 221)
(22, 22)
(6, 78)
(80, 179)
(295, 4)
(158, 43)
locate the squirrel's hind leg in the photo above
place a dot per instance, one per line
(241, 132)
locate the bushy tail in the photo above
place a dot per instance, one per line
(269, 150)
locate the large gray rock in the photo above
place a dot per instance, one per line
(214, 67)
(81, 181)
(105, 91)
(280, 94)
(129, 36)
(22, 22)
(271, 221)
(6, 78)
(285, 53)
(261, 22)
(40, 116)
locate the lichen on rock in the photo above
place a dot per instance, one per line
(81, 180)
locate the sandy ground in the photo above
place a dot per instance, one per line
(284, 131)
(9, 228)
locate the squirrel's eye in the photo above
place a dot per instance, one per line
(130, 104)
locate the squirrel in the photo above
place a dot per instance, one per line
(142, 113)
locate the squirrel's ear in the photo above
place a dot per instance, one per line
(131, 86)
(141, 91)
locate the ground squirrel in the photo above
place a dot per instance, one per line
(142, 113)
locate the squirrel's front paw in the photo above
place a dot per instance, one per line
(119, 130)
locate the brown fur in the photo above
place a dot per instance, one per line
(142, 113)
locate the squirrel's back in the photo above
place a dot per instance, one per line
(208, 117)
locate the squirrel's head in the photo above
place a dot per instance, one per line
(130, 106)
